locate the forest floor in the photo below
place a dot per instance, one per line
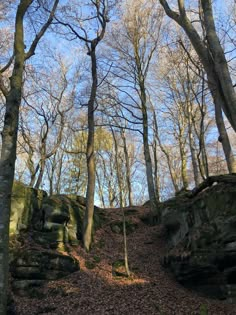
(95, 290)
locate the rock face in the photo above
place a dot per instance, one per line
(201, 235)
(61, 220)
(30, 269)
(26, 203)
(39, 227)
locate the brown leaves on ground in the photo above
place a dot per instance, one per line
(96, 291)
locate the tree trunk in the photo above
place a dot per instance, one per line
(100, 190)
(183, 157)
(224, 139)
(148, 162)
(127, 165)
(88, 218)
(202, 154)
(8, 154)
(156, 175)
(119, 176)
(211, 55)
(193, 156)
(220, 64)
(41, 173)
(9, 137)
(146, 149)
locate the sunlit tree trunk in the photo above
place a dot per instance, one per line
(120, 174)
(88, 218)
(127, 164)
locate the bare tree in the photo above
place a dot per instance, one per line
(212, 56)
(13, 95)
(136, 40)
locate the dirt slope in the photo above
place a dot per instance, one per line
(149, 290)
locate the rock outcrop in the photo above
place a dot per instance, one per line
(40, 226)
(26, 204)
(30, 269)
(201, 236)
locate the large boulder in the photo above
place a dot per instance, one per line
(201, 236)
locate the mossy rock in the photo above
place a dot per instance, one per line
(26, 203)
(66, 211)
(118, 268)
(90, 264)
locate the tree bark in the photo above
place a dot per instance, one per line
(9, 138)
(8, 154)
(119, 176)
(147, 157)
(193, 156)
(214, 62)
(127, 165)
(88, 219)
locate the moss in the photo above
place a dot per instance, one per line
(96, 259)
(203, 310)
(90, 264)
(118, 263)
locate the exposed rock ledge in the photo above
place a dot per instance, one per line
(41, 227)
(200, 228)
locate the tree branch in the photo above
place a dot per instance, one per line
(34, 44)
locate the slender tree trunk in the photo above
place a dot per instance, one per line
(100, 189)
(119, 175)
(183, 161)
(193, 156)
(202, 154)
(33, 173)
(147, 155)
(88, 219)
(156, 175)
(50, 178)
(125, 243)
(192, 146)
(155, 141)
(41, 173)
(59, 175)
(127, 164)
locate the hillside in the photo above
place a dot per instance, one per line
(96, 289)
